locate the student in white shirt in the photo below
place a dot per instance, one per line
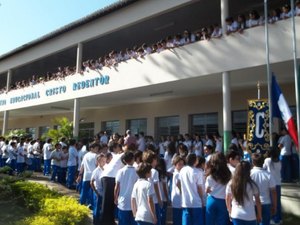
(163, 189)
(233, 158)
(285, 146)
(267, 188)
(175, 193)
(88, 165)
(30, 155)
(218, 142)
(20, 158)
(190, 183)
(201, 167)
(286, 12)
(141, 143)
(297, 8)
(151, 158)
(273, 165)
(197, 145)
(143, 208)
(208, 151)
(254, 19)
(218, 175)
(12, 155)
(63, 165)
(108, 182)
(239, 197)
(217, 31)
(72, 163)
(232, 25)
(125, 180)
(47, 148)
(55, 161)
(97, 187)
(4, 150)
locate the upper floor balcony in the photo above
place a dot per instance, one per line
(188, 67)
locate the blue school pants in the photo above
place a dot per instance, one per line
(4, 161)
(285, 168)
(143, 223)
(243, 222)
(62, 175)
(266, 214)
(125, 217)
(13, 164)
(216, 211)
(47, 165)
(71, 176)
(1, 163)
(192, 216)
(20, 168)
(277, 217)
(86, 194)
(177, 216)
(163, 213)
(97, 208)
(157, 212)
(55, 172)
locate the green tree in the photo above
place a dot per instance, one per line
(64, 129)
(17, 133)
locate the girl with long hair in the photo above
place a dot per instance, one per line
(239, 197)
(218, 175)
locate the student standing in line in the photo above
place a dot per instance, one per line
(163, 190)
(240, 192)
(47, 148)
(72, 163)
(97, 187)
(142, 204)
(178, 163)
(218, 175)
(267, 188)
(63, 165)
(88, 165)
(55, 161)
(125, 180)
(20, 158)
(151, 158)
(273, 165)
(190, 183)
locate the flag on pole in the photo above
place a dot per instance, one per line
(281, 110)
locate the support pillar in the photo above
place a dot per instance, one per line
(227, 124)
(79, 58)
(6, 113)
(76, 117)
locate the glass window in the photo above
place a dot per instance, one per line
(31, 131)
(206, 123)
(43, 130)
(111, 127)
(167, 126)
(137, 125)
(239, 121)
(86, 130)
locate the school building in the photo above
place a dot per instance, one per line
(200, 87)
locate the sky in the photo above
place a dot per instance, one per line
(22, 21)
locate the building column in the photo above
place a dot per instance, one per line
(79, 58)
(227, 124)
(76, 117)
(6, 113)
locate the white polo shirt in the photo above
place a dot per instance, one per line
(96, 176)
(142, 190)
(73, 154)
(126, 177)
(89, 163)
(217, 189)
(286, 142)
(111, 169)
(47, 151)
(265, 182)
(21, 155)
(190, 179)
(175, 193)
(246, 211)
(154, 179)
(274, 168)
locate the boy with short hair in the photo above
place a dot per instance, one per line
(267, 188)
(55, 161)
(125, 180)
(142, 197)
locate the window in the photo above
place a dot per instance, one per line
(111, 127)
(206, 123)
(167, 126)
(239, 121)
(31, 131)
(43, 130)
(86, 130)
(137, 125)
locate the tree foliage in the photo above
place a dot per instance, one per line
(64, 129)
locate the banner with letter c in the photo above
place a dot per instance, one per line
(258, 137)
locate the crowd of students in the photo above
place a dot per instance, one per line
(135, 179)
(113, 58)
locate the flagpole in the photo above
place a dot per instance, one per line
(268, 72)
(296, 74)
